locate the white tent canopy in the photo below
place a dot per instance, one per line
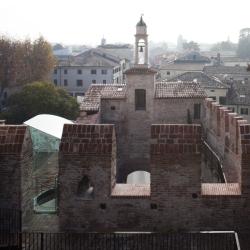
(49, 124)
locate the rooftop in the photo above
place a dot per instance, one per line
(200, 77)
(210, 70)
(192, 57)
(239, 93)
(49, 124)
(179, 90)
(92, 57)
(95, 92)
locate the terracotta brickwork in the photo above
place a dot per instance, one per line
(11, 139)
(175, 200)
(16, 159)
(175, 139)
(87, 139)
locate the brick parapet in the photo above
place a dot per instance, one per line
(173, 138)
(12, 138)
(95, 139)
(224, 125)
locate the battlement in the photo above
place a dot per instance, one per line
(175, 138)
(11, 139)
(84, 139)
(222, 125)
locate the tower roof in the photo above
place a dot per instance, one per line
(141, 22)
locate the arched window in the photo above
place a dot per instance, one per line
(85, 190)
(141, 51)
(138, 177)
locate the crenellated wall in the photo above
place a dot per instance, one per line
(15, 158)
(90, 199)
(221, 132)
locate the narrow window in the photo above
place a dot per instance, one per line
(65, 72)
(168, 73)
(140, 99)
(55, 82)
(85, 189)
(65, 82)
(244, 111)
(197, 111)
(104, 81)
(55, 71)
(104, 72)
(93, 81)
(93, 71)
(79, 71)
(78, 83)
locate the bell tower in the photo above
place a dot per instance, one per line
(141, 45)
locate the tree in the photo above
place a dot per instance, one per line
(58, 46)
(24, 62)
(224, 46)
(191, 46)
(243, 50)
(40, 98)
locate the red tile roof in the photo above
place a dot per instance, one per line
(96, 92)
(220, 189)
(179, 90)
(131, 190)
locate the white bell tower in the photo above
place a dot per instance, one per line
(141, 45)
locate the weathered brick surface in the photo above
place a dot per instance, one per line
(12, 139)
(221, 129)
(87, 139)
(176, 201)
(175, 138)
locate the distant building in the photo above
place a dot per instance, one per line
(122, 51)
(238, 98)
(226, 73)
(190, 62)
(213, 87)
(93, 66)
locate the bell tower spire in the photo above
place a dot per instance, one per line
(141, 44)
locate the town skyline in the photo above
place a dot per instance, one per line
(71, 23)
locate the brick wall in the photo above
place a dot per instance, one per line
(221, 132)
(85, 150)
(12, 139)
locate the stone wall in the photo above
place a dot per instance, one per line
(175, 110)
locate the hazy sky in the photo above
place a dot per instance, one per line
(87, 21)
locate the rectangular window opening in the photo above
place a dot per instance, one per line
(140, 99)
(197, 111)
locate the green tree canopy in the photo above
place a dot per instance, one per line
(40, 98)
